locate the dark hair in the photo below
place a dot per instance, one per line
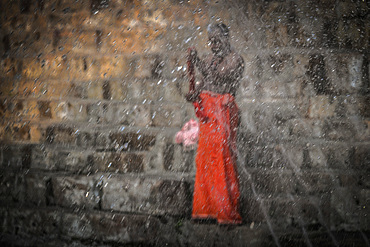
(221, 27)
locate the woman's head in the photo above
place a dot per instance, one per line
(218, 35)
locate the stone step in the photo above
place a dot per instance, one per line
(60, 227)
(46, 227)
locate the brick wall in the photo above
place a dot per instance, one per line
(92, 94)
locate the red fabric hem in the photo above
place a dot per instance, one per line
(216, 188)
(219, 221)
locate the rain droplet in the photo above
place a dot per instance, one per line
(187, 40)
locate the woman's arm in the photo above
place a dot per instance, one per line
(194, 60)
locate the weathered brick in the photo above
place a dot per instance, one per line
(274, 10)
(94, 113)
(149, 195)
(17, 132)
(355, 34)
(56, 90)
(251, 205)
(270, 119)
(108, 113)
(35, 189)
(60, 135)
(118, 162)
(363, 105)
(276, 66)
(316, 182)
(360, 157)
(337, 157)
(136, 115)
(44, 109)
(76, 226)
(300, 65)
(62, 67)
(79, 41)
(348, 106)
(329, 33)
(10, 109)
(59, 159)
(3, 220)
(317, 73)
(79, 191)
(30, 88)
(73, 111)
(349, 179)
(76, 90)
(152, 90)
(115, 67)
(8, 86)
(35, 133)
(26, 35)
(28, 223)
(168, 156)
(107, 227)
(167, 116)
(347, 8)
(139, 40)
(16, 157)
(344, 72)
(277, 35)
(273, 182)
(26, 110)
(175, 66)
(316, 158)
(281, 89)
(322, 107)
(282, 213)
(102, 140)
(293, 157)
(41, 159)
(10, 67)
(176, 158)
(307, 32)
(132, 141)
(122, 228)
(12, 188)
(94, 90)
(346, 209)
(148, 67)
(118, 89)
(85, 139)
(269, 156)
(250, 83)
(339, 129)
(309, 211)
(155, 158)
(363, 202)
(303, 128)
(65, 6)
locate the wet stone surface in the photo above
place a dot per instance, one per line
(146, 195)
(92, 95)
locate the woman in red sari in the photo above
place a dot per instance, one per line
(216, 189)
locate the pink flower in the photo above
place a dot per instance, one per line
(189, 134)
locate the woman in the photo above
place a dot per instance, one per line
(216, 189)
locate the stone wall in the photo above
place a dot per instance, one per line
(92, 94)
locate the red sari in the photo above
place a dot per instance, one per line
(216, 189)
